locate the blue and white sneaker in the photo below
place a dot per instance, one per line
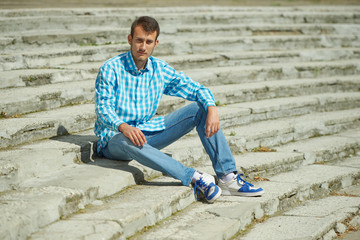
(238, 186)
(206, 185)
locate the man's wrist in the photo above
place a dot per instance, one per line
(121, 127)
(211, 108)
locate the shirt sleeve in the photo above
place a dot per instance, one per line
(180, 85)
(105, 98)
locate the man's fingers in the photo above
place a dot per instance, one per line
(134, 139)
(141, 138)
(211, 130)
(212, 133)
(136, 136)
(208, 131)
(212, 122)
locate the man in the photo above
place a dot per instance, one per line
(128, 91)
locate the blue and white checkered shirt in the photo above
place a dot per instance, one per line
(125, 95)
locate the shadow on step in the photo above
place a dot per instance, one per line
(88, 155)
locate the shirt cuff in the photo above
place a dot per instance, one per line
(208, 104)
(117, 124)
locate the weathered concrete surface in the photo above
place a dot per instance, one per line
(24, 100)
(231, 214)
(352, 236)
(57, 122)
(294, 86)
(313, 220)
(164, 3)
(128, 210)
(24, 211)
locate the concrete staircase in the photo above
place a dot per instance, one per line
(287, 83)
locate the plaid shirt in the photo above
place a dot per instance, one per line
(125, 95)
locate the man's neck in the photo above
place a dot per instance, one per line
(140, 65)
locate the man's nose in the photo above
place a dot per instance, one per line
(142, 45)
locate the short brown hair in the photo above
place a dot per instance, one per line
(149, 25)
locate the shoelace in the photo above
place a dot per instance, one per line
(243, 181)
(200, 184)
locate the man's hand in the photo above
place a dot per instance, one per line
(212, 121)
(135, 135)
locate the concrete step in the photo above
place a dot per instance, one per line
(267, 93)
(273, 134)
(267, 43)
(9, 24)
(325, 155)
(101, 36)
(35, 77)
(269, 29)
(23, 211)
(186, 45)
(31, 12)
(230, 215)
(35, 160)
(243, 113)
(269, 72)
(28, 163)
(255, 91)
(73, 58)
(314, 220)
(213, 76)
(47, 124)
(75, 37)
(334, 205)
(280, 154)
(52, 58)
(293, 154)
(78, 178)
(41, 125)
(165, 196)
(51, 161)
(227, 216)
(25, 100)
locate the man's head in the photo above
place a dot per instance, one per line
(143, 39)
(149, 25)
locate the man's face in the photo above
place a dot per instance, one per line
(142, 45)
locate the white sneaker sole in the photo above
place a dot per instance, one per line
(242, 194)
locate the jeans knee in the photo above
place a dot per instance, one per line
(193, 108)
(200, 112)
(201, 108)
(118, 148)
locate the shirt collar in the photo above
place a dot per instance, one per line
(131, 66)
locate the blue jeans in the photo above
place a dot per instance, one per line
(177, 123)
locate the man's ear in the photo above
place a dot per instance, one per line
(129, 39)
(156, 42)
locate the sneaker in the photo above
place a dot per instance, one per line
(209, 177)
(206, 185)
(238, 186)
